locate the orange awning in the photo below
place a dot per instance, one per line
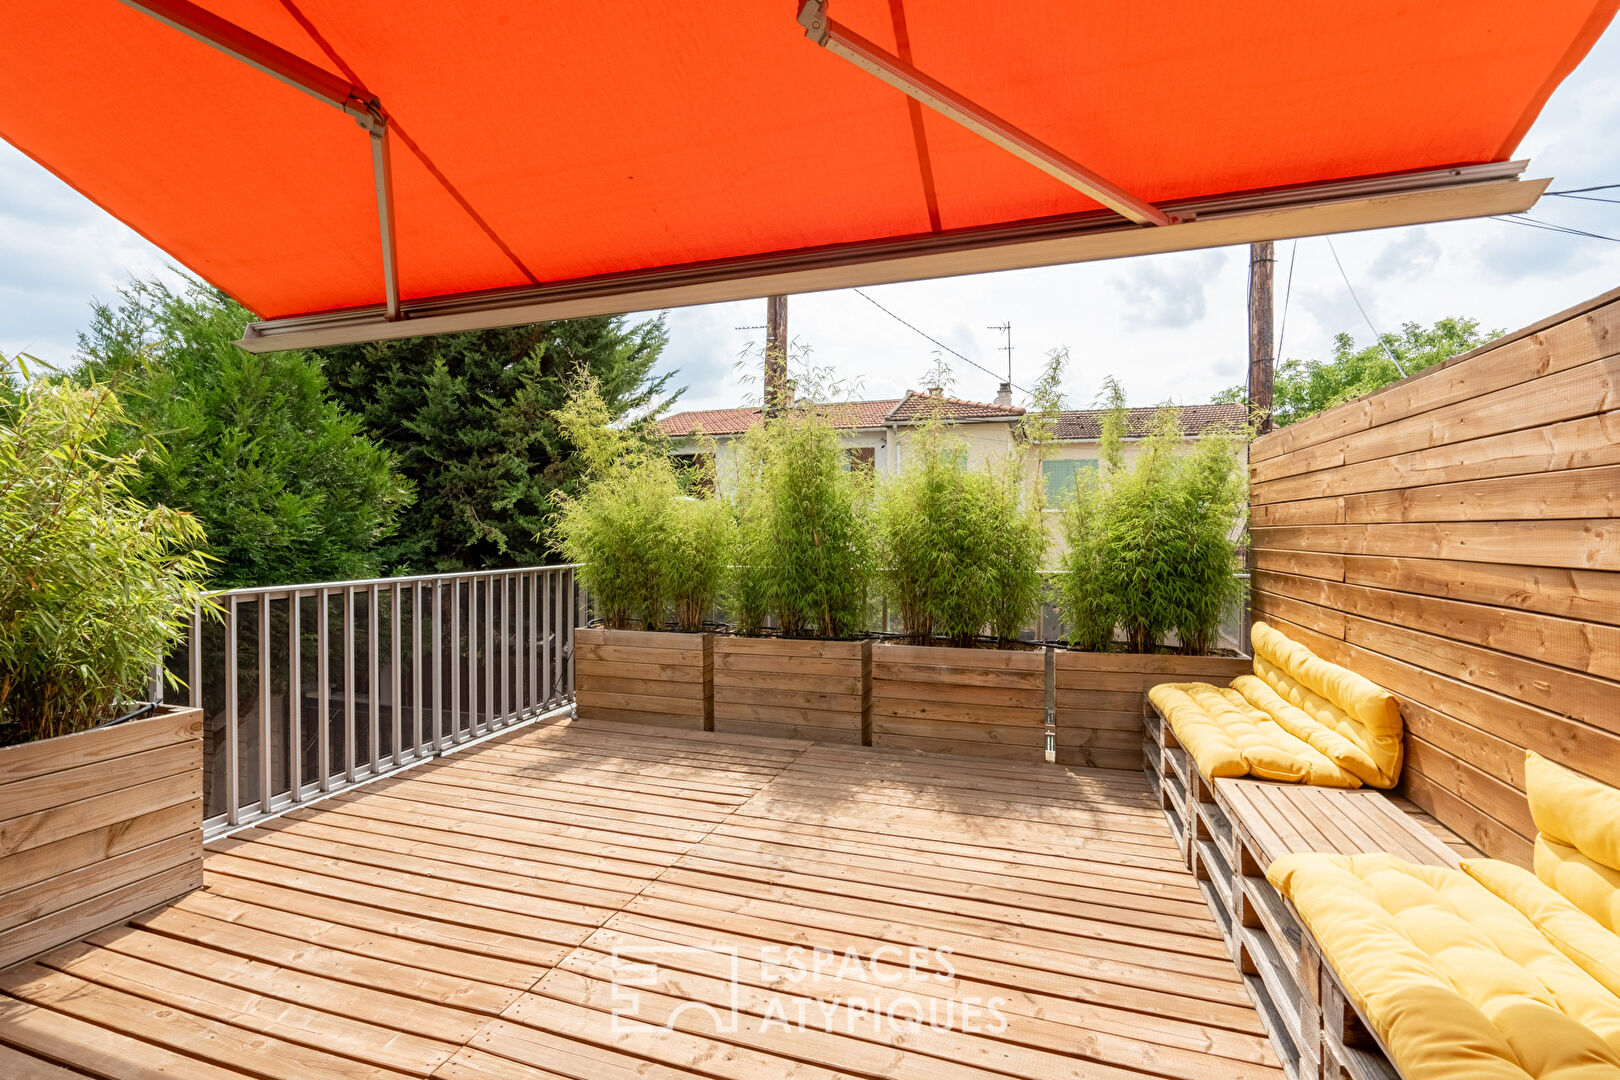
(553, 158)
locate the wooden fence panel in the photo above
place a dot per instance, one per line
(1456, 538)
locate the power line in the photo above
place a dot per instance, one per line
(935, 340)
(1376, 335)
(1585, 198)
(1552, 227)
(1578, 190)
(1293, 259)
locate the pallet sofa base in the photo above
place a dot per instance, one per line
(1228, 833)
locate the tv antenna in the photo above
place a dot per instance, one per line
(1006, 329)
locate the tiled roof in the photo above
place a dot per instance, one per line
(1072, 424)
(852, 414)
(1195, 420)
(917, 406)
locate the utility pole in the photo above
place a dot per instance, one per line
(1262, 260)
(775, 354)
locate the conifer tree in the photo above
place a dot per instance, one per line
(469, 417)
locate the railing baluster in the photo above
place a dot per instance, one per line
(265, 738)
(455, 659)
(511, 674)
(395, 679)
(545, 635)
(233, 808)
(417, 648)
(194, 661)
(295, 699)
(348, 686)
(438, 665)
(323, 705)
(489, 656)
(572, 618)
(532, 634)
(373, 691)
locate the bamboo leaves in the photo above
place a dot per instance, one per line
(1151, 545)
(95, 586)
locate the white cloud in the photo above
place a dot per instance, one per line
(1168, 290)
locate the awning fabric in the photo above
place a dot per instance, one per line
(542, 141)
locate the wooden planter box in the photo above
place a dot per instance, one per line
(97, 826)
(645, 677)
(1099, 700)
(793, 688)
(983, 702)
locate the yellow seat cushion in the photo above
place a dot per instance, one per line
(1229, 737)
(1592, 946)
(1352, 721)
(1454, 980)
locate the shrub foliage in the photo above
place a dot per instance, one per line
(646, 548)
(1150, 544)
(962, 548)
(805, 547)
(286, 484)
(94, 584)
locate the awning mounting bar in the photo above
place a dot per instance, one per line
(869, 57)
(295, 71)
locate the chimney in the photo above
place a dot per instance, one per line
(1004, 394)
(936, 391)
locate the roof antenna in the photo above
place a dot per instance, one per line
(1005, 328)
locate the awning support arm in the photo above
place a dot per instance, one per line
(295, 71)
(869, 57)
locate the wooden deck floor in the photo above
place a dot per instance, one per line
(469, 919)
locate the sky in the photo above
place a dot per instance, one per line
(1170, 328)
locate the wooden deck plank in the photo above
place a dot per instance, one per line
(460, 919)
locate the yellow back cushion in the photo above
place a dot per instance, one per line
(1571, 810)
(1592, 946)
(1587, 884)
(1361, 720)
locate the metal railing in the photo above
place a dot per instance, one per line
(310, 689)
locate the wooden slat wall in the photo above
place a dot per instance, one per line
(1456, 538)
(645, 677)
(793, 689)
(980, 702)
(97, 826)
(1097, 705)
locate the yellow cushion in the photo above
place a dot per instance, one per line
(1453, 979)
(1572, 810)
(1590, 886)
(1228, 737)
(1593, 947)
(1351, 720)
(1306, 726)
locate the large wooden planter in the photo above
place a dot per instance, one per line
(97, 826)
(1098, 704)
(793, 688)
(645, 677)
(983, 702)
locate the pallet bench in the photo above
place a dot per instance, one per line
(1229, 831)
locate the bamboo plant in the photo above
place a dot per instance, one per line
(95, 586)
